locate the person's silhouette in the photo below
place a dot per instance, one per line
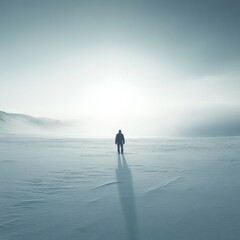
(119, 140)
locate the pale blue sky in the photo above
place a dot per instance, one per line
(121, 60)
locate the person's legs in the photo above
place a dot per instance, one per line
(121, 148)
(118, 145)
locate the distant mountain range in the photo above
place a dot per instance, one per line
(24, 124)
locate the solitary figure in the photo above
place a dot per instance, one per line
(119, 140)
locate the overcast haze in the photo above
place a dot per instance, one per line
(143, 66)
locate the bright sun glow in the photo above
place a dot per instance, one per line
(113, 101)
(115, 92)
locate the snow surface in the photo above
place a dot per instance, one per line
(166, 188)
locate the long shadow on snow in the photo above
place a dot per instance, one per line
(126, 195)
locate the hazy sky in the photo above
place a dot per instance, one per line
(120, 64)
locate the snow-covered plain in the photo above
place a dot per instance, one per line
(166, 188)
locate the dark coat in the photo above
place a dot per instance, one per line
(119, 139)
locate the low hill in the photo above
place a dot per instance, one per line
(24, 124)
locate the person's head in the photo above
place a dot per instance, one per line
(119, 131)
